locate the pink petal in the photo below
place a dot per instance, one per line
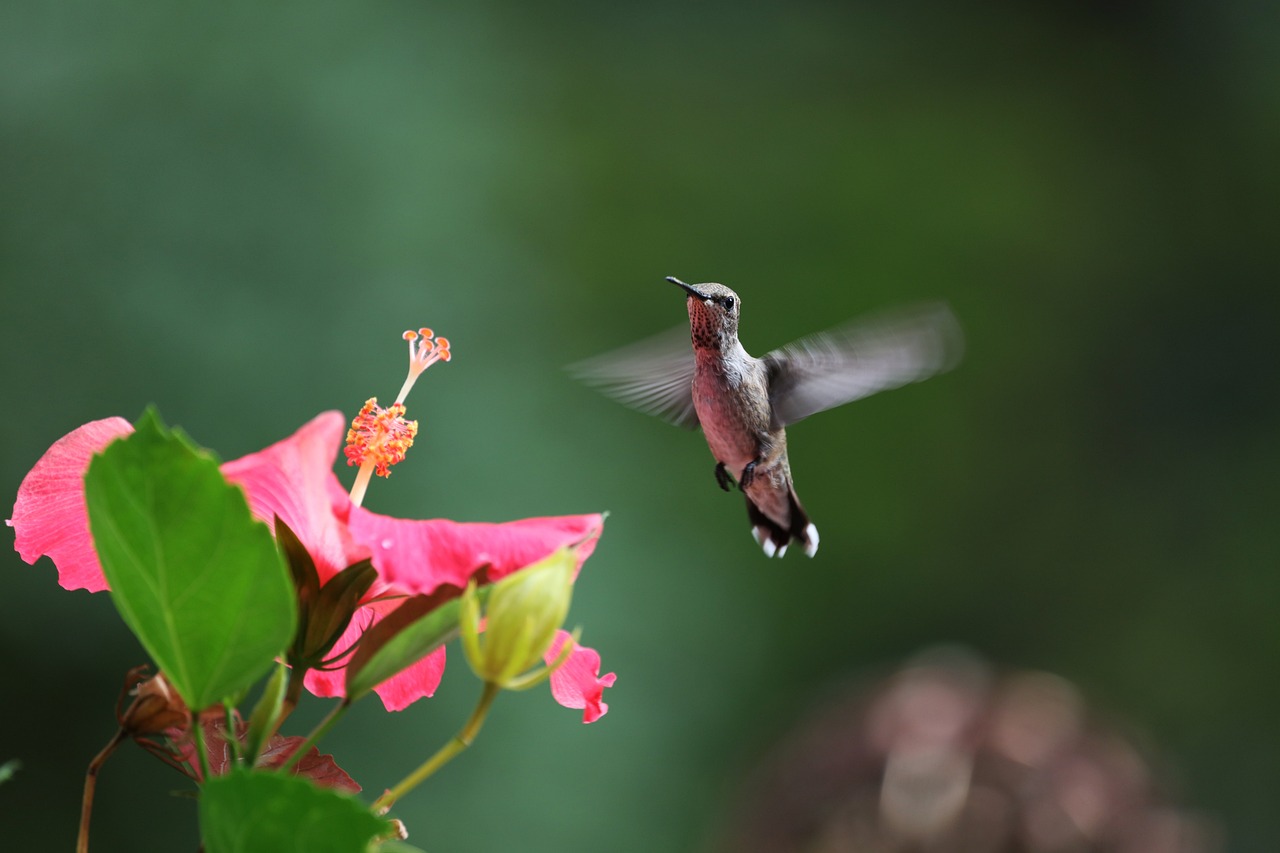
(578, 683)
(418, 681)
(418, 556)
(49, 516)
(294, 479)
(397, 692)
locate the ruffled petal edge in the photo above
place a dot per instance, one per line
(49, 516)
(578, 682)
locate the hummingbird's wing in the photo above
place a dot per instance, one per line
(653, 375)
(857, 360)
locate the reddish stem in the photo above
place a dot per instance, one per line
(90, 782)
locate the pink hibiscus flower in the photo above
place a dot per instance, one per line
(294, 480)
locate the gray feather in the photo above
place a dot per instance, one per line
(654, 376)
(815, 373)
(872, 354)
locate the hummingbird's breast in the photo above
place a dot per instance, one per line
(730, 395)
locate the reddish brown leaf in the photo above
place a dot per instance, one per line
(321, 769)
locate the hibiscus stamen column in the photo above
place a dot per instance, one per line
(379, 438)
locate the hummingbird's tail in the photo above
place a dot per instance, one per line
(774, 535)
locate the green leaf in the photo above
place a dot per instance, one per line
(247, 812)
(196, 578)
(411, 632)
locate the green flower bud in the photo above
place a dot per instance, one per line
(525, 609)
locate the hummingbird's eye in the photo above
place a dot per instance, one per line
(728, 303)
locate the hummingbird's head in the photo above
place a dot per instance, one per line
(713, 314)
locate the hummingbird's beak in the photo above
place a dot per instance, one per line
(692, 291)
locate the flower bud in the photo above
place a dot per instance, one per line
(525, 609)
(155, 708)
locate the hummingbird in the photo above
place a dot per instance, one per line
(744, 404)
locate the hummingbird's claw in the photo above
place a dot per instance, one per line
(722, 477)
(748, 474)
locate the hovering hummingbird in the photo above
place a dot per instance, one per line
(744, 404)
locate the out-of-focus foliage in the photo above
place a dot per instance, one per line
(232, 211)
(947, 755)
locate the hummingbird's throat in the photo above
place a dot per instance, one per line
(704, 330)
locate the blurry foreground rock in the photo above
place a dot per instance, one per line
(946, 755)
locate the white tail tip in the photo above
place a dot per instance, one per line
(764, 538)
(811, 540)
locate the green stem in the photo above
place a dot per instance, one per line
(292, 694)
(90, 783)
(202, 752)
(320, 731)
(456, 744)
(233, 736)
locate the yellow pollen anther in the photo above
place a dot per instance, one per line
(379, 437)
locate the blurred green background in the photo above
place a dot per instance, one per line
(232, 210)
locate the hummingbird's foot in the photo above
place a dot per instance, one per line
(748, 474)
(722, 477)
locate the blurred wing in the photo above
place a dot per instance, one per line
(854, 361)
(654, 376)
